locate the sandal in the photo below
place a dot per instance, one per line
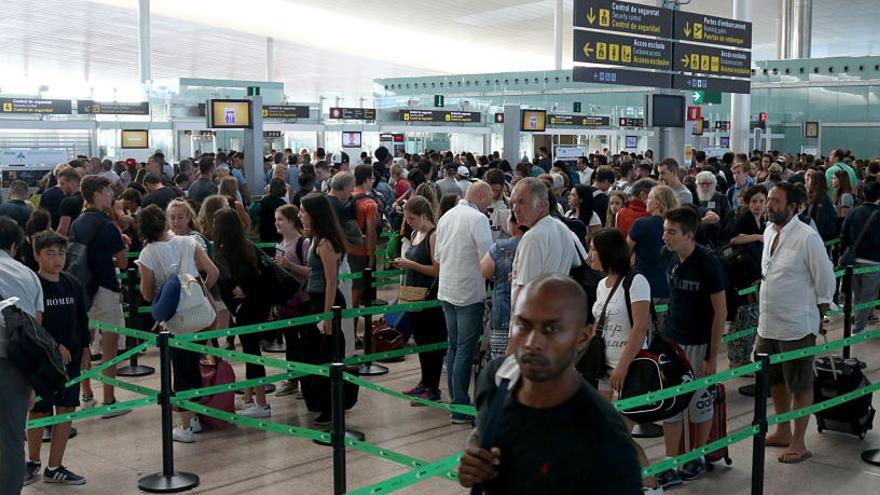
(794, 457)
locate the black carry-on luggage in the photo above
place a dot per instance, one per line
(836, 376)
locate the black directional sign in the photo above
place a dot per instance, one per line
(626, 51)
(114, 108)
(604, 75)
(631, 122)
(694, 83)
(353, 113)
(568, 120)
(439, 116)
(623, 17)
(711, 60)
(711, 29)
(34, 105)
(285, 112)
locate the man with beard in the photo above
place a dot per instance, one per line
(553, 430)
(796, 291)
(712, 200)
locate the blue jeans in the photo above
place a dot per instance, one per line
(865, 289)
(464, 324)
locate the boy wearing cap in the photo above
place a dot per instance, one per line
(462, 179)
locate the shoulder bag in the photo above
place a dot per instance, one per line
(592, 363)
(410, 294)
(849, 256)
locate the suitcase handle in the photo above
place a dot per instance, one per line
(830, 360)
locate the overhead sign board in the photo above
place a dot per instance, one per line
(692, 83)
(568, 120)
(703, 97)
(711, 60)
(35, 105)
(285, 112)
(625, 51)
(353, 113)
(713, 30)
(112, 107)
(272, 134)
(623, 17)
(605, 75)
(451, 117)
(722, 125)
(631, 122)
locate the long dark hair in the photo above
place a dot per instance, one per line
(613, 251)
(231, 243)
(325, 223)
(585, 198)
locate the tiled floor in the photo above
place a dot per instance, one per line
(114, 453)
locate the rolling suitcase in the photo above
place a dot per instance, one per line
(719, 428)
(835, 376)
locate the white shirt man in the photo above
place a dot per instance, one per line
(463, 238)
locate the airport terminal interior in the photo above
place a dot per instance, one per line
(501, 247)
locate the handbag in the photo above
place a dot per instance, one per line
(195, 309)
(410, 294)
(592, 364)
(849, 256)
(219, 374)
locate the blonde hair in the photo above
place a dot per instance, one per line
(211, 205)
(228, 188)
(666, 197)
(611, 219)
(185, 206)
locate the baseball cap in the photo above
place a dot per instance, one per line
(131, 161)
(336, 158)
(463, 171)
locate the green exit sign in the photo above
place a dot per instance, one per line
(439, 101)
(701, 97)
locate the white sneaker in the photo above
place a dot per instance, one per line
(241, 404)
(657, 490)
(182, 435)
(195, 425)
(88, 403)
(256, 411)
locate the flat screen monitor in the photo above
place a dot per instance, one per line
(667, 111)
(724, 142)
(351, 139)
(135, 139)
(230, 114)
(534, 120)
(632, 142)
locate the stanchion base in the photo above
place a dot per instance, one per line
(372, 369)
(269, 389)
(177, 482)
(275, 347)
(872, 456)
(353, 434)
(139, 370)
(647, 430)
(749, 390)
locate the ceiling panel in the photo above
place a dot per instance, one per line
(339, 46)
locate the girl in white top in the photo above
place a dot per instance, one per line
(158, 261)
(623, 340)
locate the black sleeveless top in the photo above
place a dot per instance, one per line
(421, 254)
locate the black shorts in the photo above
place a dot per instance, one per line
(68, 397)
(185, 370)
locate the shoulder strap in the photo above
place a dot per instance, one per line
(96, 229)
(627, 283)
(299, 248)
(600, 323)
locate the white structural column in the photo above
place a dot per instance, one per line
(740, 105)
(270, 58)
(801, 28)
(783, 30)
(144, 40)
(557, 35)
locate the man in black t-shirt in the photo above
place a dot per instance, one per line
(16, 207)
(65, 318)
(695, 321)
(72, 204)
(555, 433)
(159, 194)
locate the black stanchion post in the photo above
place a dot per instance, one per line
(169, 480)
(846, 287)
(134, 302)
(337, 438)
(369, 369)
(759, 445)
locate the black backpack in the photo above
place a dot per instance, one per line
(77, 263)
(34, 352)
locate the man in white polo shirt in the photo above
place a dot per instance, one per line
(797, 289)
(463, 238)
(548, 246)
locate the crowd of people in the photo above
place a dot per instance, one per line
(632, 232)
